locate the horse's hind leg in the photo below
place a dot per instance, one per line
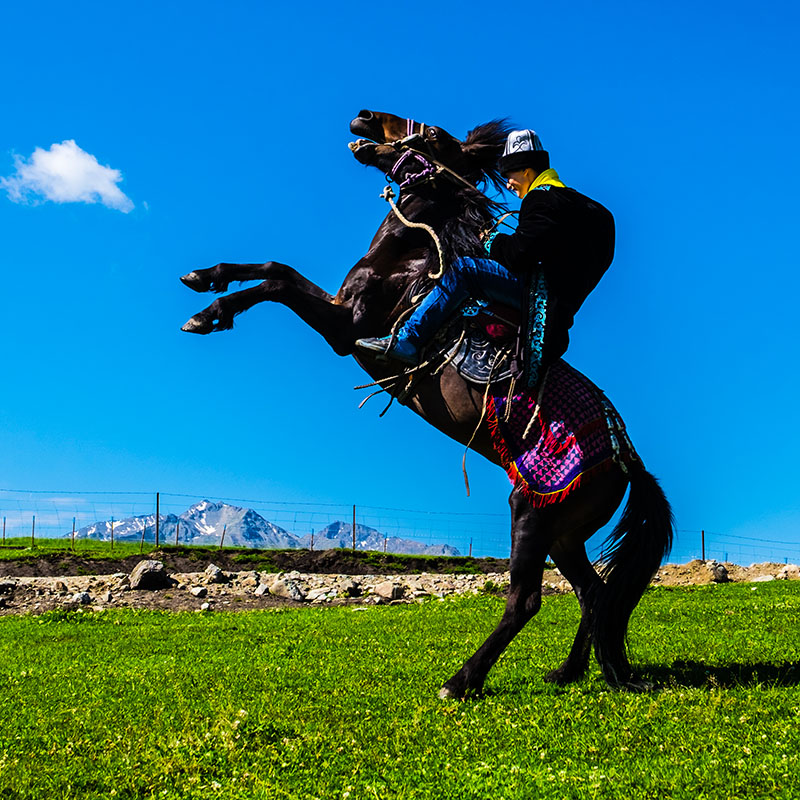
(575, 566)
(529, 546)
(581, 516)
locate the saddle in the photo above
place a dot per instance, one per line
(485, 342)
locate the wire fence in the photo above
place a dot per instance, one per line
(171, 518)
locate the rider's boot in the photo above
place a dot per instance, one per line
(402, 350)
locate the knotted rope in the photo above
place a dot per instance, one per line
(389, 195)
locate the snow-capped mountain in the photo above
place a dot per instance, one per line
(340, 534)
(203, 523)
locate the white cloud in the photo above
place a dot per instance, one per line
(65, 174)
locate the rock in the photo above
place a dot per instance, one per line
(106, 597)
(388, 590)
(763, 579)
(261, 590)
(287, 588)
(719, 573)
(214, 574)
(205, 607)
(60, 587)
(149, 575)
(349, 588)
(199, 591)
(248, 579)
(319, 595)
(81, 598)
(6, 587)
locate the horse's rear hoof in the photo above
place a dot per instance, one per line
(194, 281)
(448, 694)
(196, 326)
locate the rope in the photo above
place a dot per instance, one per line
(388, 195)
(537, 408)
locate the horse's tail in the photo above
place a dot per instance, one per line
(634, 552)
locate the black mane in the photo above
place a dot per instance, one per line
(467, 212)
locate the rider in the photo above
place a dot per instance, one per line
(563, 244)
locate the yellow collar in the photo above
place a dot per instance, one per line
(549, 177)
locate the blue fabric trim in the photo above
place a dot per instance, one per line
(537, 321)
(487, 242)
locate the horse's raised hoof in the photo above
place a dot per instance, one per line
(195, 325)
(197, 282)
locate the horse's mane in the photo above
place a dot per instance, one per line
(472, 210)
(485, 144)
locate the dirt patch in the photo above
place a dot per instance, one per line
(195, 559)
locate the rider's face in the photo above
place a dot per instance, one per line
(520, 180)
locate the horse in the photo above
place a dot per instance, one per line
(375, 294)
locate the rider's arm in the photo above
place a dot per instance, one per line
(522, 250)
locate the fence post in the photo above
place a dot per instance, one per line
(177, 528)
(33, 532)
(354, 527)
(312, 540)
(703, 544)
(73, 535)
(144, 531)
(112, 534)
(4, 530)
(222, 538)
(158, 512)
(385, 542)
(470, 548)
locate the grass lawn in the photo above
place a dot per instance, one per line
(341, 703)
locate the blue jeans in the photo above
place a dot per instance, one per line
(466, 277)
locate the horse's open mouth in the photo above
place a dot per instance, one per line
(359, 143)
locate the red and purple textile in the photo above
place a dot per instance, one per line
(570, 439)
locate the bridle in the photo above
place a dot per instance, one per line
(428, 169)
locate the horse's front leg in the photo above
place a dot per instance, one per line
(280, 284)
(529, 547)
(219, 277)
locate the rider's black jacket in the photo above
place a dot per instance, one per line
(571, 239)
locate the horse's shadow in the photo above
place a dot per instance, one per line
(696, 674)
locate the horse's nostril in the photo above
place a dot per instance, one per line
(365, 115)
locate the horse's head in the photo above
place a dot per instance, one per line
(400, 147)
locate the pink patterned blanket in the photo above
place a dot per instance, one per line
(576, 434)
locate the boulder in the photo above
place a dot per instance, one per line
(81, 598)
(388, 590)
(287, 588)
(199, 591)
(719, 573)
(763, 579)
(149, 575)
(214, 574)
(261, 590)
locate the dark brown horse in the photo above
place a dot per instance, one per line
(374, 294)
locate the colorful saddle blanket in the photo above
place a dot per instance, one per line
(576, 432)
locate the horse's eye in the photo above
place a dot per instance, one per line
(431, 133)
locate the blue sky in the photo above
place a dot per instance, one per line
(228, 127)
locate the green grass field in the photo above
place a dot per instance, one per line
(341, 703)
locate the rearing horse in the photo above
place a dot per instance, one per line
(375, 293)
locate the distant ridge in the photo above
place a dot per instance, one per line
(202, 524)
